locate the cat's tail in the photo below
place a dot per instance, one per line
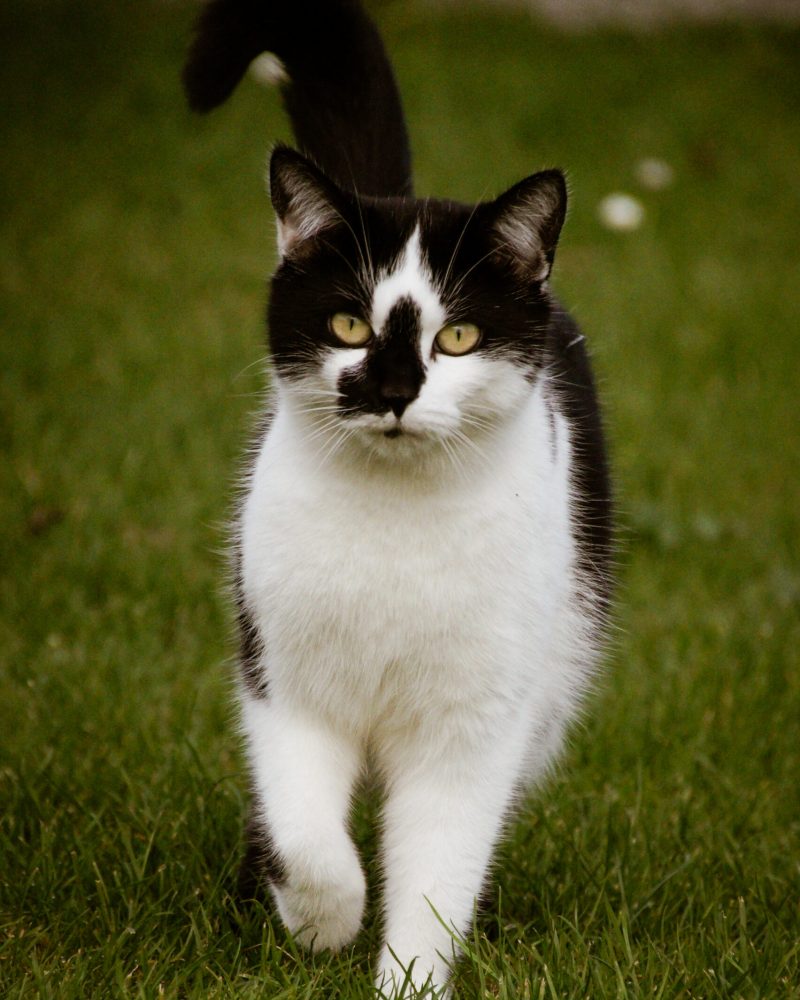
(338, 85)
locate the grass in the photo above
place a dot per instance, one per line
(134, 245)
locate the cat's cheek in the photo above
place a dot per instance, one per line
(502, 393)
(342, 363)
(453, 387)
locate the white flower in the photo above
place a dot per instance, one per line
(621, 211)
(655, 175)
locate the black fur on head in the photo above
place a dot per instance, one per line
(489, 264)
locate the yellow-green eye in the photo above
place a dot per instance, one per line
(458, 338)
(350, 330)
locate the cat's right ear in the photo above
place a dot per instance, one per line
(305, 201)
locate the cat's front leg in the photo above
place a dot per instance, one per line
(303, 773)
(446, 802)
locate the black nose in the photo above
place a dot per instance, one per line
(398, 390)
(398, 404)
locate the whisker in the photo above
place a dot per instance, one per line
(459, 241)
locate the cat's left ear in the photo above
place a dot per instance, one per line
(526, 222)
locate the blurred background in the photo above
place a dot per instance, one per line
(135, 247)
(574, 14)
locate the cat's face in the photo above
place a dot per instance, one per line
(404, 326)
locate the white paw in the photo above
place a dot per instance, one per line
(323, 913)
(414, 979)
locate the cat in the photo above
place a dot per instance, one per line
(424, 547)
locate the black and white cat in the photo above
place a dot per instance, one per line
(423, 552)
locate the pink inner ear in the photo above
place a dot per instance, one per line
(307, 215)
(523, 246)
(303, 198)
(528, 223)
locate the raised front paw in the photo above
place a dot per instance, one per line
(323, 912)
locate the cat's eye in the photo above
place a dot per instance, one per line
(457, 338)
(350, 330)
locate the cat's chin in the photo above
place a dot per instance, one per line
(424, 452)
(397, 443)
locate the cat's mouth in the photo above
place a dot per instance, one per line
(400, 430)
(401, 435)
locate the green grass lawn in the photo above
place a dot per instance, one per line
(135, 241)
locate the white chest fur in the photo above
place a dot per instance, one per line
(378, 591)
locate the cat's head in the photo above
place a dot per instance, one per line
(405, 325)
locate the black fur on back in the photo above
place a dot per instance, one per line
(593, 512)
(341, 94)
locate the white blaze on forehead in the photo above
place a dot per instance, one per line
(411, 279)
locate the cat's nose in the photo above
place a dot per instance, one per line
(398, 380)
(397, 392)
(398, 404)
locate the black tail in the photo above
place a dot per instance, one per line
(341, 95)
